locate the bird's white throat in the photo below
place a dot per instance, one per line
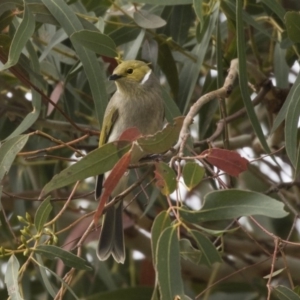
(146, 77)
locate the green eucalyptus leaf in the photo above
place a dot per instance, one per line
(168, 264)
(190, 70)
(188, 252)
(96, 42)
(95, 74)
(33, 69)
(163, 140)
(292, 21)
(243, 78)
(290, 98)
(12, 278)
(230, 204)
(132, 48)
(210, 255)
(8, 152)
(95, 163)
(48, 284)
(46, 280)
(161, 222)
(281, 68)
(165, 178)
(168, 66)
(284, 293)
(197, 4)
(192, 174)
(22, 35)
(291, 127)
(275, 7)
(69, 259)
(42, 13)
(42, 214)
(6, 5)
(147, 20)
(124, 35)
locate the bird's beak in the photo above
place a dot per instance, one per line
(114, 77)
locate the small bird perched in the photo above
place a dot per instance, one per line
(136, 103)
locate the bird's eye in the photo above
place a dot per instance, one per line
(129, 71)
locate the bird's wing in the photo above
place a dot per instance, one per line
(109, 121)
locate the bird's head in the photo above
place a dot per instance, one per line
(131, 73)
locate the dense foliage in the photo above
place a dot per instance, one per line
(215, 208)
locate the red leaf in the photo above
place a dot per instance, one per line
(130, 134)
(111, 182)
(228, 161)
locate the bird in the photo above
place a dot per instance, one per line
(137, 102)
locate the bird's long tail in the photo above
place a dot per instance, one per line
(111, 241)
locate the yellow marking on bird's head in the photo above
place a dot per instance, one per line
(131, 71)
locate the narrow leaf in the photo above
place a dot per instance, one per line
(71, 24)
(163, 140)
(124, 35)
(165, 178)
(283, 111)
(292, 21)
(198, 10)
(147, 20)
(8, 5)
(41, 13)
(96, 42)
(42, 214)
(33, 70)
(171, 109)
(275, 7)
(243, 79)
(188, 252)
(168, 264)
(281, 68)
(8, 152)
(134, 47)
(168, 66)
(284, 293)
(45, 277)
(59, 279)
(274, 273)
(190, 70)
(22, 35)
(69, 259)
(192, 174)
(95, 163)
(291, 126)
(210, 255)
(11, 278)
(230, 204)
(161, 222)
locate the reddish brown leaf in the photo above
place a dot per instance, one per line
(111, 181)
(228, 161)
(130, 134)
